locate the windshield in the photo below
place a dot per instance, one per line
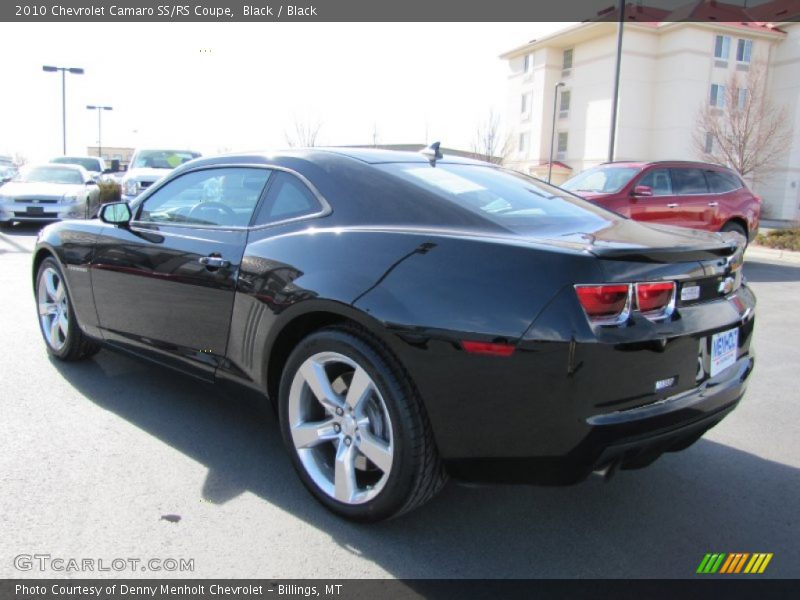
(510, 199)
(603, 180)
(162, 159)
(88, 163)
(52, 175)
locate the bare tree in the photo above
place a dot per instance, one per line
(507, 150)
(304, 135)
(487, 139)
(747, 133)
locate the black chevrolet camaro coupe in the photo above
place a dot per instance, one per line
(412, 316)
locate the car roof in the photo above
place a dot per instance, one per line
(379, 155)
(157, 149)
(663, 163)
(370, 156)
(73, 157)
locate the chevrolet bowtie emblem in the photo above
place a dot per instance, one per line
(726, 286)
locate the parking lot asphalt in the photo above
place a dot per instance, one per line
(114, 458)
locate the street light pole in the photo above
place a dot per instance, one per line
(64, 70)
(99, 110)
(615, 99)
(553, 134)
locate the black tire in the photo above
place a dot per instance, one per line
(417, 473)
(734, 227)
(77, 345)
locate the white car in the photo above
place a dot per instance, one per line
(49, 192)
(148, 166)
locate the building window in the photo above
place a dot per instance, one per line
(564, 106)
(743, 51)
(741, 98)
(567, 62)
(717, 97)
(722, 47)
(524, 104)
(523, 142)
(526, 63)
(562, 142)
(709, 145)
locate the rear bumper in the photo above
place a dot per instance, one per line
(626, 439)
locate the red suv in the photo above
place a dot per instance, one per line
(687, 194)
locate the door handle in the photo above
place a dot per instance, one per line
(713, 203)
(213, 262)
(672, 205)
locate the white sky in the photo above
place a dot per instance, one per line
(251, 81)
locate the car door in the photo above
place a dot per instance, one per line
(726, 198)
(164, 285)
(695, 207)
(659, 206)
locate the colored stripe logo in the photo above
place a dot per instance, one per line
(736, 562)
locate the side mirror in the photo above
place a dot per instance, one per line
(116, 213)
(642, 190)
(91, 182)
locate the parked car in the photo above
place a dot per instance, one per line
(96, 166)
(686, 194)
(412, 316)
(148, 166)
(49, 192)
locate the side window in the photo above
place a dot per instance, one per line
(688, 181)
(719, 182)
(659, 180)
(224, 197)
(287, 198)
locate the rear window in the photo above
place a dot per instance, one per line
(602, 180)
(512, 200)
(720, 182)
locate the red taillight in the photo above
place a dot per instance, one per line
(655, 297)
(604, 302)
(488, 348)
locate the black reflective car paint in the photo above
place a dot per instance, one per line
(564, 403)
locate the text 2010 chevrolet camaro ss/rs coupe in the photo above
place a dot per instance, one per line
(412, 316)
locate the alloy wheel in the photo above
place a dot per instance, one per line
(53, 308)
(340, 428)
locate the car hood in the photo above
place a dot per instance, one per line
(22, 189)
(146, 173)
(592, 195)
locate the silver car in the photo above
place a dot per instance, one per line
(148, 166)
(49, 193)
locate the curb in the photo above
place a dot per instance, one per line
(762, 252)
